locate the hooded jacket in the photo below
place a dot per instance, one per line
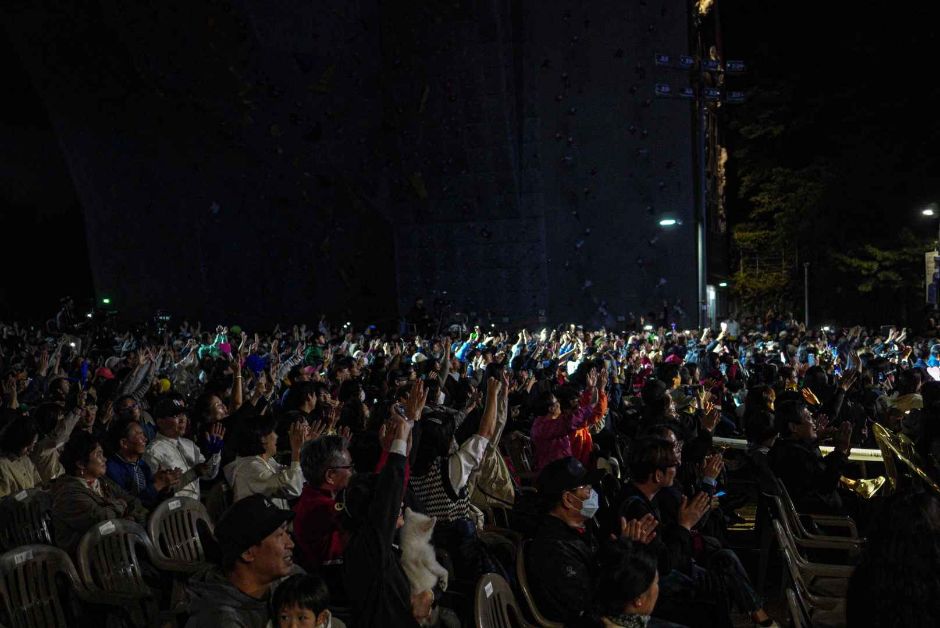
(214, 602)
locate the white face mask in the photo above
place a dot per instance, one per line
(590, 506)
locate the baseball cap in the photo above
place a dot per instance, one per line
(565, 474)
(247, 522)
(168, 407)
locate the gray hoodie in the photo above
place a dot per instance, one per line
(214, 602)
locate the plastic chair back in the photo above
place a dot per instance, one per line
(173, 528)
(107, 558)
(495, 605)
(25, 519)
(30, 594)
(523, 579)
(797, 613)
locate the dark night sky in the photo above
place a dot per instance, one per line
(845, 77)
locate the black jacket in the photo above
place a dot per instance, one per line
(810, 479)
(561, 565)
(673, 543)
(372, 573)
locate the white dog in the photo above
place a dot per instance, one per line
(417, 555)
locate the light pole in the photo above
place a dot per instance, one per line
(931, 210)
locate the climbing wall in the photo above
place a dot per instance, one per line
(611, 160)
(536, 163)
(468, 232)
(282, 158)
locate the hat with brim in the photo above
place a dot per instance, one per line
(565, 474)
(247, 523)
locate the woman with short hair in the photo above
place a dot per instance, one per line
(85, 496)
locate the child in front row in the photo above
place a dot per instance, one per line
(302, 601)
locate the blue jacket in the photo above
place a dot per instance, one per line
(134, 477)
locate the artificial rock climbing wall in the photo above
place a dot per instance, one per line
(611, 159)
(537, 164)
(286, 158)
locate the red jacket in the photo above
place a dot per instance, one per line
(318, 529)
(582, 443)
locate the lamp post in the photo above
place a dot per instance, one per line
(931, 210)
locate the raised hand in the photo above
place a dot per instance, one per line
(299, 434)
(809, 397)
(416, 400)
(215, 438)
(591, 378)
(473, 399)
(331, 415)
(507, 384)
(848, 379)
(317, 429)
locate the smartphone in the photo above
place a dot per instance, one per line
(811, 359)
(720, 494)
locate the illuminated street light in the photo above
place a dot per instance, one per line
(668, 222)
(723, 284)
(928, 211)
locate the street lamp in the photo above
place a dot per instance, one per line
(723, 284)
(669, 222)
(930, 211)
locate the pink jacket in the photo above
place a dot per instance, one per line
(551, 438)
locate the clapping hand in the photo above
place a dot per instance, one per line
(712, 466)
(641, 530)
(692, 511)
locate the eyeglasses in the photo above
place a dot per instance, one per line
(578, 488)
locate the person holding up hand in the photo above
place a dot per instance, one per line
(256, 471)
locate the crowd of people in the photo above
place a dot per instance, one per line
(313, 447)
